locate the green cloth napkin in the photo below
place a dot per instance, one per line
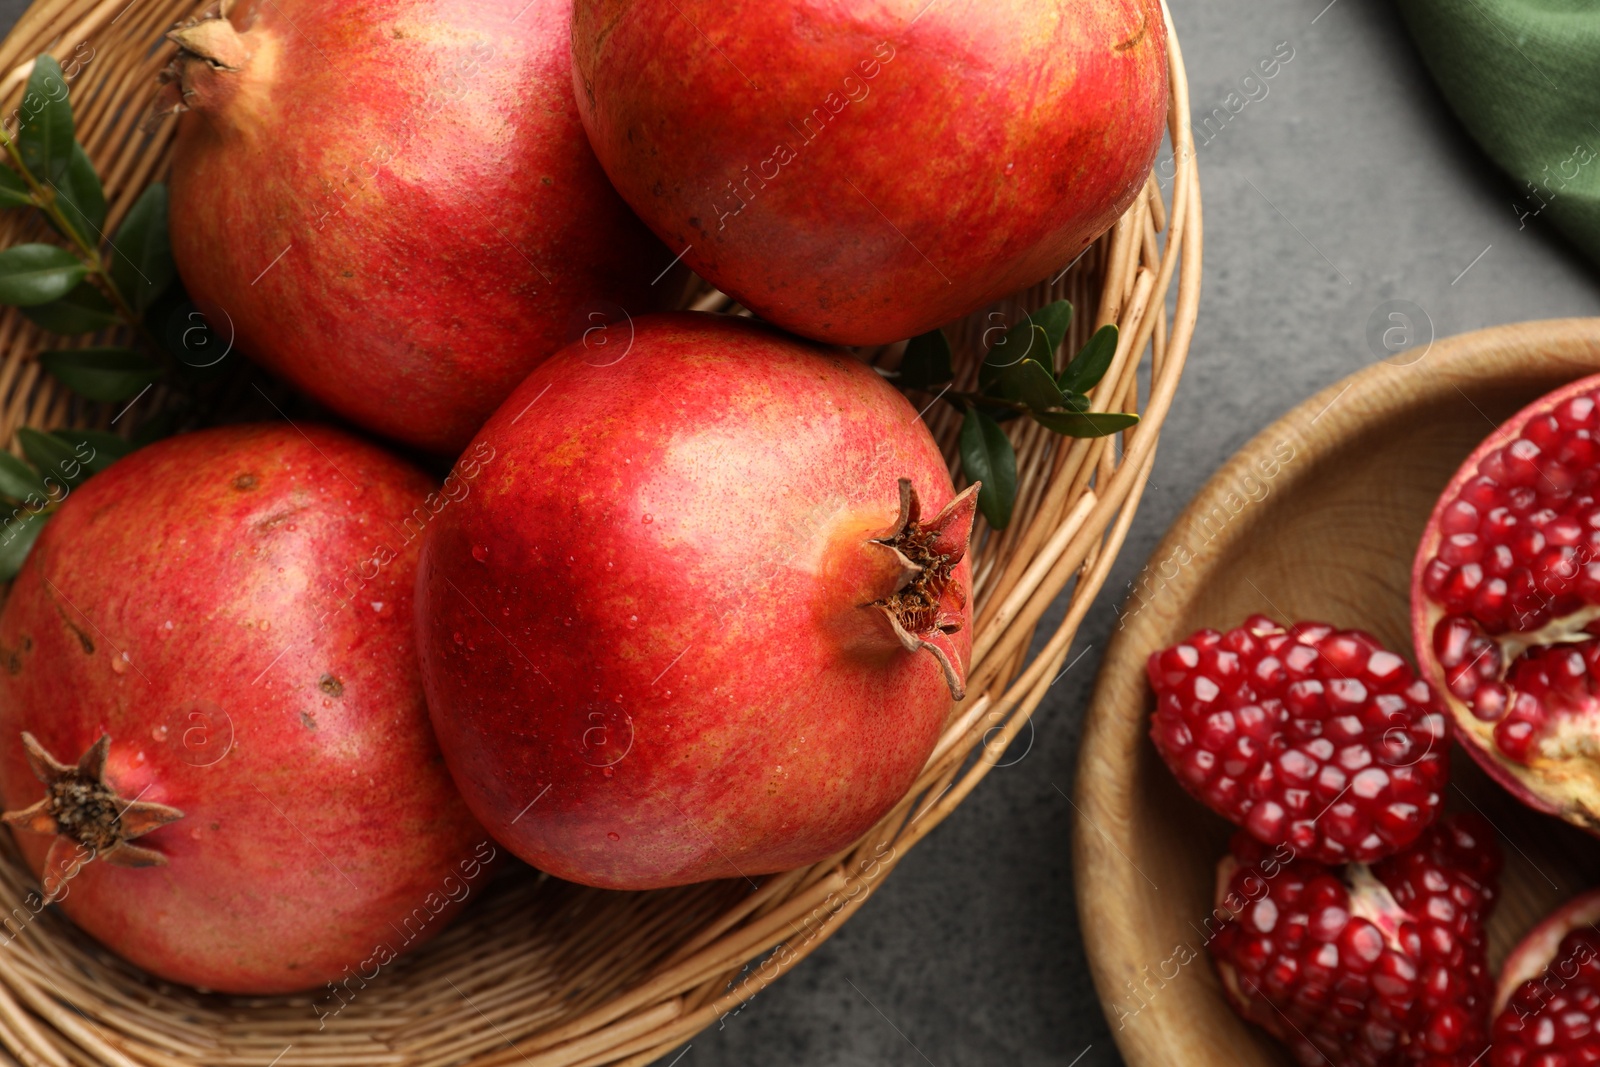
(1524, 77)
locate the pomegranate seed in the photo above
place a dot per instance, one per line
(1383, 966)
(1305, 735)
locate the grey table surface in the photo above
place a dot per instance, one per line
(1347, 184)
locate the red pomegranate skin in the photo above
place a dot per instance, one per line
(643, 635)
(393, 205)
(859, 173)
(204, 602)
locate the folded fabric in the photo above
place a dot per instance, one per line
(1524, 78)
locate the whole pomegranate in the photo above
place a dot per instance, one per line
(1378, 966)
(1547, 1001)
(213, 743)
(1505, 602)
(411, 178)
(1304, 735)
(705, 617)
(863, 173)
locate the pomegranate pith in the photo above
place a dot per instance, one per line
(1548, 998)
(1305, 735)
(1506, 602)
(1378, 966)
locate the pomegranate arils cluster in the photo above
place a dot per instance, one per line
(1306, 735)
(1516, 576)
(1554, 1020)
(1375, 966)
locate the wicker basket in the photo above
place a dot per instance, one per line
(539, 972)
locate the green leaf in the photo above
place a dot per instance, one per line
(987, 457)
(927, 360)
(17, 535)
(1054, 319)
(84, 310)
(104, 374)
(13, 190)
(141, 257)
(1025, 340)
(81, 198)
(103, 449)
(1030, 383)
(37, 274)
(1090, 365)
(1085, 423)
(18, 480)
(54, 457)
(44, 133)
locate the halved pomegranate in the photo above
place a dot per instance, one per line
(1547, 1003)
(1505, 601)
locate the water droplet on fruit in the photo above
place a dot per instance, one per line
(458, 638)
(613, 835)
(608, 772)
(480, 552)
(648, 518)
(265, 624)
(567, 621)
(138, 757)
(506, 610)
(667, 695)
(633, 620)
(610, 565)
(119, 663)
(168, 626)
(292, 526)
(1010, 167)
(195, 833)
(159, 733)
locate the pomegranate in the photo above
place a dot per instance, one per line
(1377, 966)
(1547, 1001)
(411, 180)
(209, 666)
(860, 174)
(1505, 600)
(1306, 735)
(705, 618)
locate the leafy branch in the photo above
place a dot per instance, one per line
(82, 287)
(1017, 379)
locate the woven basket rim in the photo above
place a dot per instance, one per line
(618, 978)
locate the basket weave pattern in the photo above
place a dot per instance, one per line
(540, 972)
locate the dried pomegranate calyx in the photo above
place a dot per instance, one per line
(81, 809)
(925, 608)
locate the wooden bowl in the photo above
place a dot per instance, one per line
(1318, 517)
